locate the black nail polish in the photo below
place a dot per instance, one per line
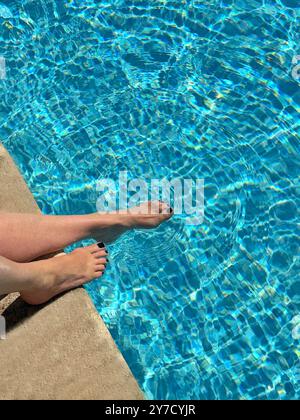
(101, 245)
(171, 210)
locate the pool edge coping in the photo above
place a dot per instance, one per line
(62, 350)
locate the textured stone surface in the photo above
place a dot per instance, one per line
(62, 350)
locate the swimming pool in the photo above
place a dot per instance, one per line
(206, 89)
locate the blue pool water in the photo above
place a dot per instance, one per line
(162, 88)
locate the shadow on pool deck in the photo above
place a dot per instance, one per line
(61, 350)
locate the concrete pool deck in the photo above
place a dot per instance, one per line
(62, 350)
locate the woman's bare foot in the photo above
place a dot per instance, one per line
(149, 215)
(54, 276)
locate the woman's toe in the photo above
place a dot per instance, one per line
(93, 249)
(99, 270)
(165, 209)
(100, 254)
(96, 251)
(102, 261)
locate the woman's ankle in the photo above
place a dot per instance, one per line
(32, 276)
(15, 277)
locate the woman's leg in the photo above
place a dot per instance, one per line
(25, 237)
(41, 280)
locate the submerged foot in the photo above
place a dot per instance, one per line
(149, 215)
(62, 273)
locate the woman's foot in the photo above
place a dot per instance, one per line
(149, 215)
(54, 276)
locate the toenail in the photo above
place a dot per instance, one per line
(101, 245)
(171, 210)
